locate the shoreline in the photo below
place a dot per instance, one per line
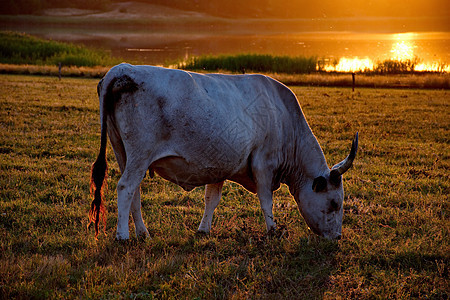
(324, 79)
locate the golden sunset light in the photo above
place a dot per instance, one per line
(402, 51)
(432, 67)
(355, 35)
(351, 65)
(318, 129)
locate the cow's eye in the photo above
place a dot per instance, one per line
(319, 184)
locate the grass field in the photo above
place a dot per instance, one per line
(396, 212)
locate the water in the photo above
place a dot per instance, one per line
(165, 46)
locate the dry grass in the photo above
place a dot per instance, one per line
(418, 80)
(72, 71)
(396, 222)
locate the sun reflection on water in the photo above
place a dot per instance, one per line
(351, 65)
(402, 50)
(432, 67)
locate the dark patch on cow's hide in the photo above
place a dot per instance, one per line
(161, 101)
(116, 88)
(164, 117)
(124, 84)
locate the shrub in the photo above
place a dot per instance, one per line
(392, 66)
(18, 48)
(252, 62)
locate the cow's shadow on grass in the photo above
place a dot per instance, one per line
(229, 263)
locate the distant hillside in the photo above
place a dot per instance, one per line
(18, 7)
(255, 8)
(312, 9)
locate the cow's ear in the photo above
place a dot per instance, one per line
(319, 184)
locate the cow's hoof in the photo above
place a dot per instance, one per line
(277, 231)
(272, 232)
(142, 236)
(121, 242)
(201, 233)
(122, 237)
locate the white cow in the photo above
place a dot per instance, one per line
(202, 129)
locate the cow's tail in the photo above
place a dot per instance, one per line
(99, 171)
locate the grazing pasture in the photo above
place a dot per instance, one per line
(396, 210)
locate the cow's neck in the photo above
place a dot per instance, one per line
(308, 161)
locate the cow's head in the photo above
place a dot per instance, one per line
(321, 198)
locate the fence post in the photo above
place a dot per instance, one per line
(59, 70)
(353, 81)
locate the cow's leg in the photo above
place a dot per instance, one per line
(141, 230)
(265, 199)
(213, 193)
(261, 167)
(127, 187)
(119, 151)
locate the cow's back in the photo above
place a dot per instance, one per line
(212, 122)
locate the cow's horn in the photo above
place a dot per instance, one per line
(344, 165)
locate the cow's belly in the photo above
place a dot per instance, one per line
(188, 175)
